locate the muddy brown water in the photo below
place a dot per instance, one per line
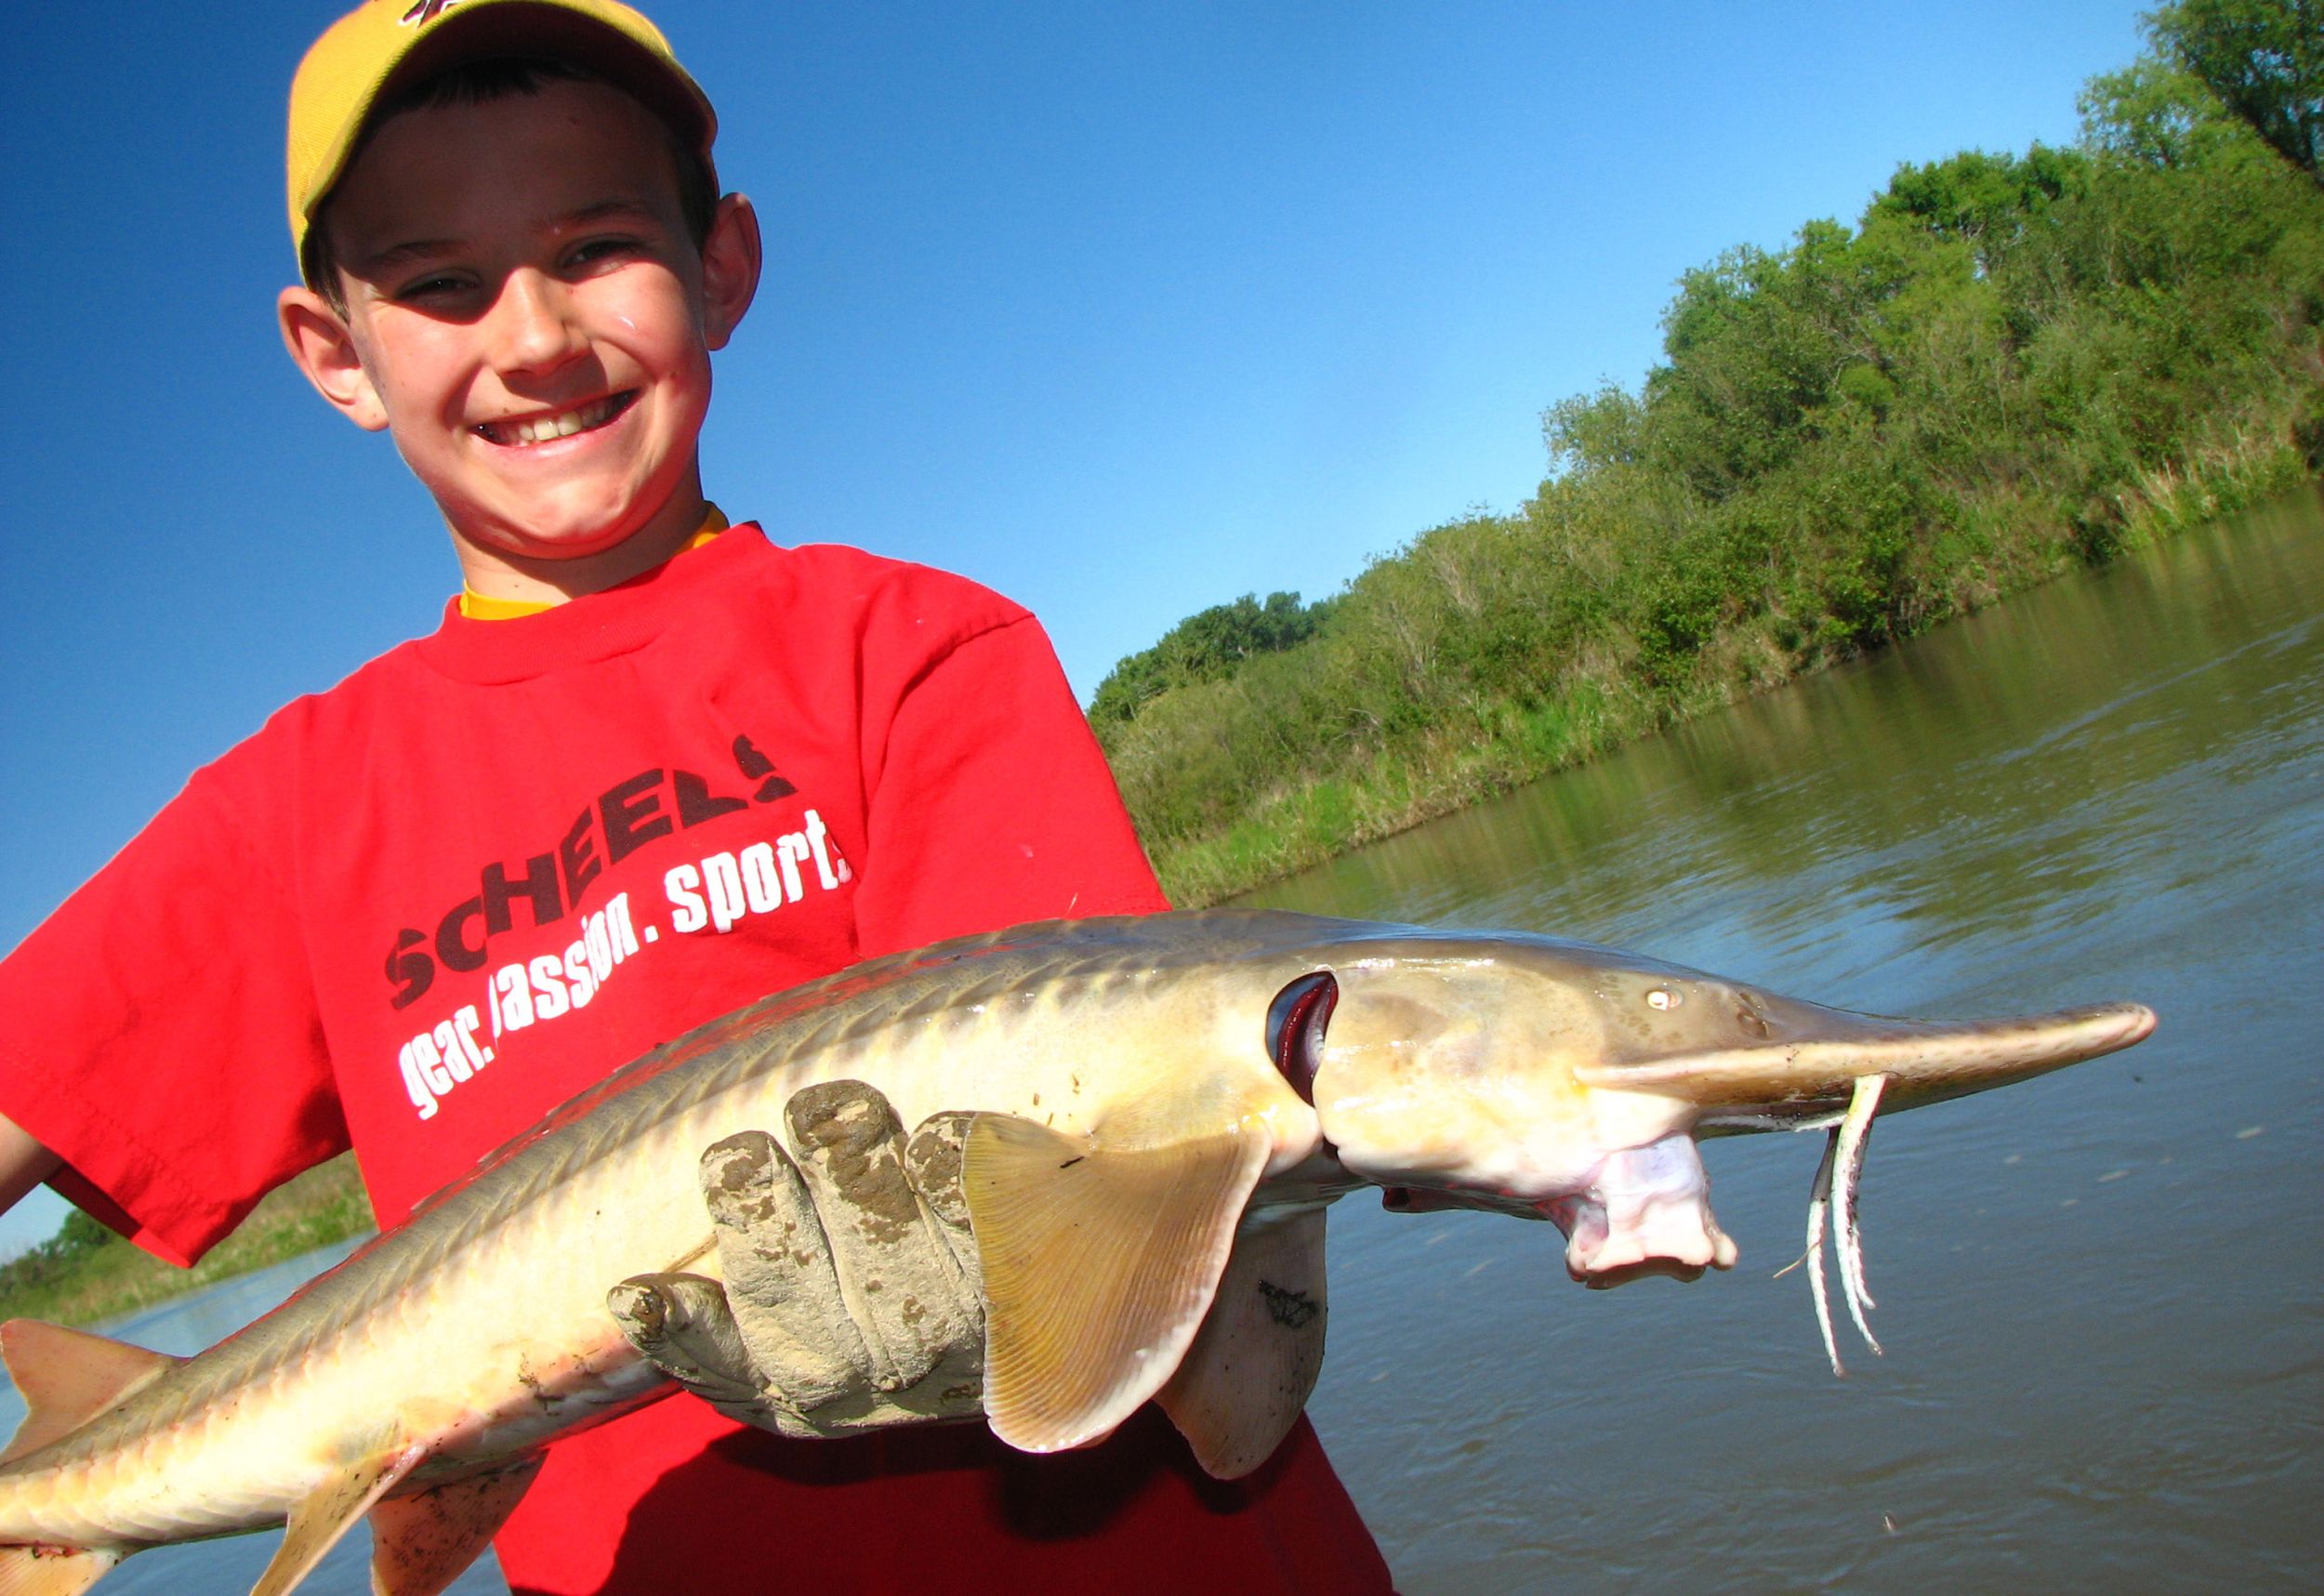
(2102, 1292)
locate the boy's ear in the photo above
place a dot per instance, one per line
(319, 342)
(730, 269)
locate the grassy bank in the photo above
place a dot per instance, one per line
(2009, 367)
(1598, 706)
(86, 1275)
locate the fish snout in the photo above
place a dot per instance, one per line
(1804, 1072)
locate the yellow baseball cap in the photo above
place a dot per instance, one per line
(374, 50)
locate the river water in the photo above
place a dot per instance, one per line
(2102, 1292)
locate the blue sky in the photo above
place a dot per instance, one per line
(1122, 309)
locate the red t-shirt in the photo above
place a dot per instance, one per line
(496, 863)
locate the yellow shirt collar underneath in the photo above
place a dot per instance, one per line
(477, 607)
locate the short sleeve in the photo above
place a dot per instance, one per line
(990, 802)
(158, 1031)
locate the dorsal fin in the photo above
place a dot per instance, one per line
(69, 1376)
(1099, 1265)
(1245, 1381)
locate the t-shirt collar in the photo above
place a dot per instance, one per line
(594, 627)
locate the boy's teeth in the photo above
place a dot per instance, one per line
(565, 425)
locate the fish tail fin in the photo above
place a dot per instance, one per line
(51, 1571)
(67, 1377)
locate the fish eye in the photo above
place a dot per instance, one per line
(1296, 1020)
(1662, 997)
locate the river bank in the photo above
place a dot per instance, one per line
(111, 1277)
(1598, 706)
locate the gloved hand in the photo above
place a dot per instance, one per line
(851, 1297)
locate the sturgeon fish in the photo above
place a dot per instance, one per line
(1163, 1107)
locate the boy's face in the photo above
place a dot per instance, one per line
(529, 318)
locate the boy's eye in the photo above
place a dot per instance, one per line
(436, 285)
(595, 250)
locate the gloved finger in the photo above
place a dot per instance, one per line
(782, 1293)
(681, 1324)
(894, 1268)
(933, 1163)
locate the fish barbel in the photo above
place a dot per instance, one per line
(1164, 1105)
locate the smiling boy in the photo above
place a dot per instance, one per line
(647, 768)
(517, 297)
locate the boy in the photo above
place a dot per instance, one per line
(648, 768)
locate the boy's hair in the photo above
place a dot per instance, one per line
(481, 82)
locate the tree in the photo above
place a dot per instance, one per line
(1594, 432)
(2264, 59)
(2158, 114)
(1205, 647)
(1756, 345)
(1978, 199)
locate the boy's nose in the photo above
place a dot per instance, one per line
(532, 324)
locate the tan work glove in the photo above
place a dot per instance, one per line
(850, 1298)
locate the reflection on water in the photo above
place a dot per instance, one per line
(2100, 1291)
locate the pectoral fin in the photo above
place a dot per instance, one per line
(421, 1542)
(1099, 1266)
(317, 1522)
(1247, 1376)
(69, 1376)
